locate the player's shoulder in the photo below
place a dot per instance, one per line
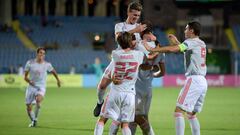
(137, 52)
(119, 24)
(31, 61)
(47, 62)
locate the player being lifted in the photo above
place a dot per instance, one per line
(131, 26)
(37, 69)
(149, 69)
(191, 96)
(120, 103)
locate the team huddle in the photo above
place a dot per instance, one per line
(138, 59)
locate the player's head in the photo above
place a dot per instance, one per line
(41, 53)
(192, 29)
(125, 40)
(148, 31)
(134, 12)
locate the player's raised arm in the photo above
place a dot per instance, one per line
(54, 72)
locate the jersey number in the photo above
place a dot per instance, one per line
(123, 69)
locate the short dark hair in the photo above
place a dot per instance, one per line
(149, 28)
(40, 48)
(135, 6)
(195, 26)
(124, 40)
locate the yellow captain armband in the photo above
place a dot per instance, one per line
(182, 47)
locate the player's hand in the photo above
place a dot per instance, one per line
(32, 83)
(140, 28)
(116, 81)
(173, 39)
(59, 83)
(148, 48)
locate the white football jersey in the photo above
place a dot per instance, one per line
(195, 57)
(126, 66)
(38, 72)
(123, 26)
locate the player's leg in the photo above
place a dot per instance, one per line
(192, 117)
(29, 99)
(100, 126)
(114, 127)
(150, 131)
(39, 99)
(133, 127)
(125, 128)
(194, 123)
(147, 102)
(127, 112)
(181, 108)
(179, 121)
(143, 124)
(142, 113)
(101, 89)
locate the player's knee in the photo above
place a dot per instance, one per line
(29, 108)
(178, 110)
(145, 127)
(191, 116)
(124, 125)
(102, 120)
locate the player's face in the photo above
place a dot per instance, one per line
(149, 37)
(133, 16)
(41, 55)
(188, 32)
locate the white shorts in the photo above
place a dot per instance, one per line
(142, 102)
(191, 96)
(107, 72)
(32, 92)
(119, 106)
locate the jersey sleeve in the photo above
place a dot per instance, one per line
(27, 66)
(186, 45)
(49, 67)
(183, 47)
(141, 57)
(118, 27)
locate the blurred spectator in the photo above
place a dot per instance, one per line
(11, 69)
(97, 66)
(72, 70)
(20, 70)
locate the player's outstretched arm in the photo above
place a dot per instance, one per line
(165, 49)
(139, 28)
(56, 76)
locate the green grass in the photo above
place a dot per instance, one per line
(68, 111)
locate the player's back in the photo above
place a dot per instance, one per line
(195, 57)
(126, 66)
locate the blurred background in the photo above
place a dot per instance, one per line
(79, 37)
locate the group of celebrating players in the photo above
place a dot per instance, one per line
(137, 60)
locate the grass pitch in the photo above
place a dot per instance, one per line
(68, 111)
